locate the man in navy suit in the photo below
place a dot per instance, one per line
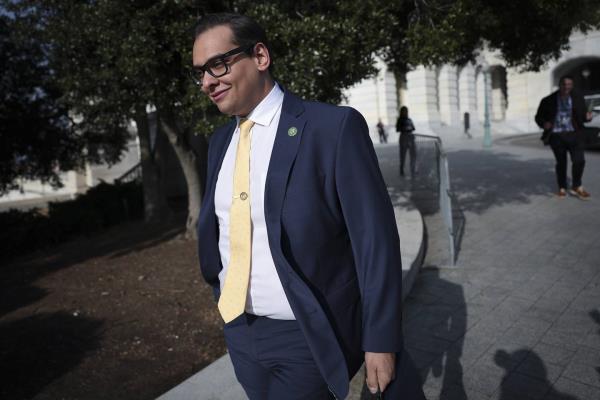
(324, 288)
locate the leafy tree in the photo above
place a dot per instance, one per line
(37, 139)
(527, 33)
(116, 61)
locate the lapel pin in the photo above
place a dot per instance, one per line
(292, 131)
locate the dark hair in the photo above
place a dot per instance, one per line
(246, 31)
(562, 79)
(403, 112)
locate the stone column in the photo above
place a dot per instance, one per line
(448, 94)
(525, 90)
(421, 99)
(376, 98)
(387, 100)
(467, 93)
(76, 181)
(89, 175)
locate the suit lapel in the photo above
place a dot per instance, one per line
(287, 142)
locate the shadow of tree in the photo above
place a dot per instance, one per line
(37, 350)
(482, 179)
(12, 298)
(16, 279)
(479, 180)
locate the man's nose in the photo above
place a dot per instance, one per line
(207, 81)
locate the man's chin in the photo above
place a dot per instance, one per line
(224, 109)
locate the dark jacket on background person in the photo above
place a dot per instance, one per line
(549, 107)
(404, 126)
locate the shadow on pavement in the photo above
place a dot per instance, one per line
(595, 315)
(479, 180)
(533, 385)
(37, 350)
(483, 179)
(434, 326)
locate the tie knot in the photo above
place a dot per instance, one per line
(245, 126)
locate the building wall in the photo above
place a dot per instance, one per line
(438, 97)
(376, 98)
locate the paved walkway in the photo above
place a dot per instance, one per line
(519, 316)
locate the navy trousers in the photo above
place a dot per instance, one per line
(272, 360)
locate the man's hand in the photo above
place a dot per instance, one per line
(547, 125)
(380, 370)
(588, 116)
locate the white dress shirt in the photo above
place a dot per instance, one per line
(265, 293)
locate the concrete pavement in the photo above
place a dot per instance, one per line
(519, 316)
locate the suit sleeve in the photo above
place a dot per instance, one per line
(371, 225)
(540, 114)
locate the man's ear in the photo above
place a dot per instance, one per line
(262, 57)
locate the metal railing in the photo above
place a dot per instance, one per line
(432, 164)
(132, 174)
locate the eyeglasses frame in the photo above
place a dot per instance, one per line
(222, 57)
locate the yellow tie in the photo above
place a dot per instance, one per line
(233, 297)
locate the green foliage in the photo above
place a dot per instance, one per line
(527, 33)
(105, 60)
(319, 48)
(35, 138)
(110, 56)
(38, 138)
(101, 207)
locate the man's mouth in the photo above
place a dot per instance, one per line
(218, 95)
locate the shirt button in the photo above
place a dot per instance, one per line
(243, 195)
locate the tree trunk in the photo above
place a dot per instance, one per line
(155, 203)
(191, 166)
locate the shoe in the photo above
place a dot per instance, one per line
(562, 193)
(581, 193)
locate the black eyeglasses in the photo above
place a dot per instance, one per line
(218, 65)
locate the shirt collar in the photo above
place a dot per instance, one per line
(265, 111)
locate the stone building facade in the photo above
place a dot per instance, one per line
(438, 97)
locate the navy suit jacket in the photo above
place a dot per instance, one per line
(332, 234)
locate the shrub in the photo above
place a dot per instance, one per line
(100, 207)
